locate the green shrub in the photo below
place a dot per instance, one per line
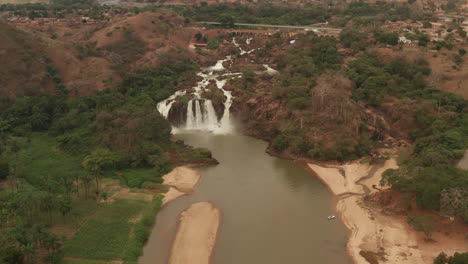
(280, 142)
(197, 155)
(142, 230)
(4, 170)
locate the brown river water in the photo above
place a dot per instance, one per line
(272, 211)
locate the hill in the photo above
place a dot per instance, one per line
(87, 57)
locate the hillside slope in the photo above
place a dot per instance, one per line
(88, 58)
(24, 70)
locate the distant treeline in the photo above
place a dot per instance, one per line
(283, 14)
(260, 13)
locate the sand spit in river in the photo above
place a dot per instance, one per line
(371, 230)
(181, 181)
(196, 235)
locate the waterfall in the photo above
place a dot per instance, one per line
(190, 124)
(210, 115)
(201, 114)
(204, 118)
(198, 115)
(164, 106)
(225, 123)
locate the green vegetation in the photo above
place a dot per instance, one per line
(457, 258)
(439, 141)
(354, 39)
(375, 79)
(56, 151)
(136, 177)
(81, 261)
(309, 77)
(389, 38)
(430, 175)
(109, 231)
(284, 14)
(423, 223)
(197, 155)
(214, 43)
(142, 231)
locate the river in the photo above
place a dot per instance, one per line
(272, 211)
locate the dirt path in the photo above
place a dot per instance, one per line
(196, 235)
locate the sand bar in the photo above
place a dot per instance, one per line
(371, 230)
(196, 235)
(181, 181)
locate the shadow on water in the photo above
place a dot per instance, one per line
(272, 210)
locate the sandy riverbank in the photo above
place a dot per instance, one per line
(386, 238)
(181, 181)
(196, 235)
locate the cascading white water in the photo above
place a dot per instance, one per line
(242, 51)
(270, 70)
(190, 118)
(164, 106)
(210, 115)
(201, 114)
(198, 115)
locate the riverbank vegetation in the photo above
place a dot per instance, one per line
(79, 173)
(68, 165)
(328, 108)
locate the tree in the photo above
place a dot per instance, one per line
(390, 38)
(423, 39)
(64, 206)
(48, 203)
(457, 258)
(226, 21)
(98, 161)
(427, 24)
(198, 36)
(354, 39)
(441, 259)
(86, 180)
(423, 223)
(4, 170)
(248, 78)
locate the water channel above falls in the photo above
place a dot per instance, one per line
(272, 211)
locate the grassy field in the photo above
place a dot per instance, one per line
(106, 234)
(134, 178)
(98, 233)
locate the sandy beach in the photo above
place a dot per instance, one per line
(181, 181)
(388, 239)
(196, 235)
